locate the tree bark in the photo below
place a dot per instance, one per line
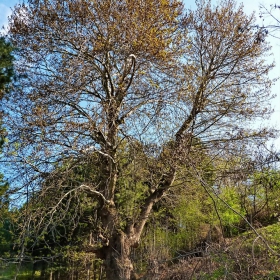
(117, 258)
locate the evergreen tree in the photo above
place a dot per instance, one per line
(6, 75)
(6, 65)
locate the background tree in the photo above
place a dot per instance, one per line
(6, 75)
(127, 87)
(6, 72)
(6, 65)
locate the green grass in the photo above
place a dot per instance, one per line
(9, 271)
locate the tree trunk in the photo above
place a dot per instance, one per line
(117, 262)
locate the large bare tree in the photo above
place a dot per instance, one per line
(105, 84)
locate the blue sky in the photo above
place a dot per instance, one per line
(5, 10)
(249, 6)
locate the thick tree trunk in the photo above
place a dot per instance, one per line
(117, 258)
